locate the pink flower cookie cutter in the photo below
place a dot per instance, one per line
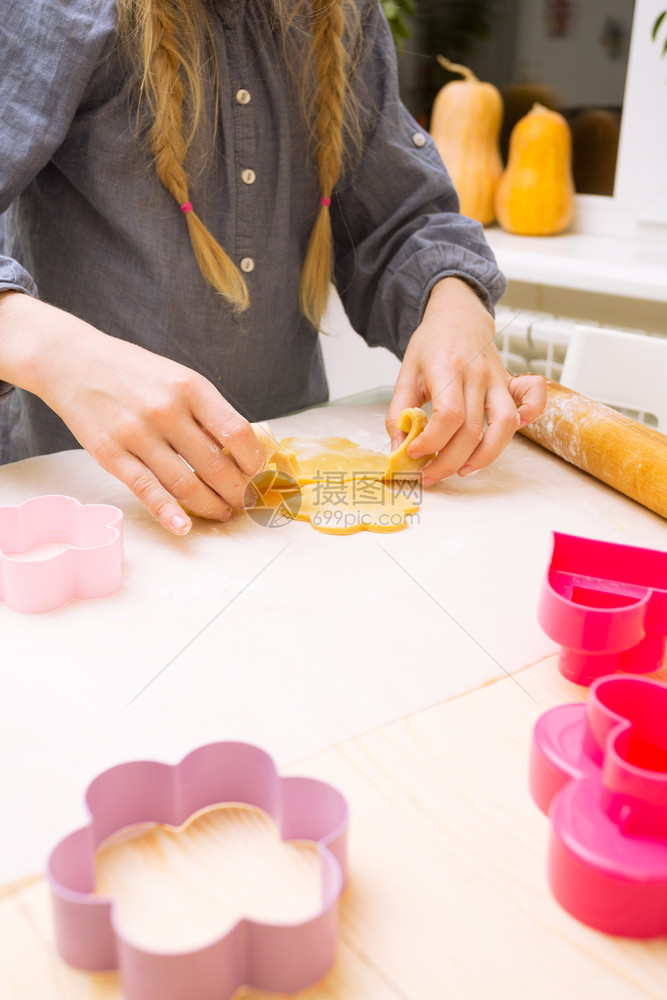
(274, 957)
(90, 568)
(599, 770)
(606, 606)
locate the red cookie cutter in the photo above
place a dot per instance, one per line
(599, 770)
(606, 606)
(281, 958)
(90, 568)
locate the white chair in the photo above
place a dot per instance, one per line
(624, 370)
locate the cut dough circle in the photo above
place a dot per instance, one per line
(358, 504)
(346, 488)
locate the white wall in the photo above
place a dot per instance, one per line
(351, 365)
(577, 65)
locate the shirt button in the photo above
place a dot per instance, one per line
(247, 265)
(419, 139)
(243, 96)
(248, 177)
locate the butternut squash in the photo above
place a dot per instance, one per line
(595, 134)
(518, 99)
(465, 125)
(535, 196)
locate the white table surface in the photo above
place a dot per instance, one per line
(283, 637)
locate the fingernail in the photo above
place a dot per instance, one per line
(467, 470)
(426, 482)
(249, 497)
(180, 524)
(394, 444)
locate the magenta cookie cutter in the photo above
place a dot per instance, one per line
(90, 568)
(599, 770)
(274, 957)
(606, 606)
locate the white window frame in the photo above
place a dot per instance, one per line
(638, 207)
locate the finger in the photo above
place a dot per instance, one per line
(456, 401)
(226, 426)
(529, 393)
(182, 482)
(151, 493)
(217, 468)
(216, 476)
(407, 394)
(503, 421)
(466, 439)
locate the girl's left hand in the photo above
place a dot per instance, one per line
(452, 361)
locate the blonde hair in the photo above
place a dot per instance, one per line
(170, 43)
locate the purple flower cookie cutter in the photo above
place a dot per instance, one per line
(90, 567)
(606, 606)
(275, 957)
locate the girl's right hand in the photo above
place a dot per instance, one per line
(160, 428)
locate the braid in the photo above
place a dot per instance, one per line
(170, 52)
(330, 98)
(166, 39)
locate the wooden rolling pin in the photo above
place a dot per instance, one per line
(619, 451)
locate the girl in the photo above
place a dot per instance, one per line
(181, 181)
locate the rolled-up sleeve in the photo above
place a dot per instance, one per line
(15, 278)
(49, 51)
(397, 225)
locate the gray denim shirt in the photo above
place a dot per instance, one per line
(89, 228)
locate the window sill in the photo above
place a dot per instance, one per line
(612, 265)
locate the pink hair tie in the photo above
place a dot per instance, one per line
(325, 201)
(187, 207)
